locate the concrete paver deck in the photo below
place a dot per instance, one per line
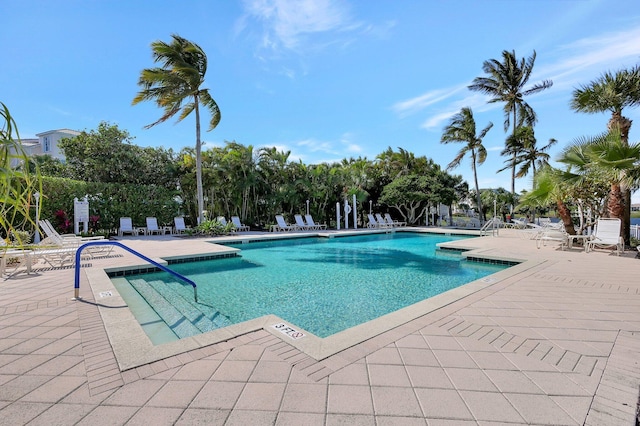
(558, 343)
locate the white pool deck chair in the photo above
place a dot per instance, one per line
(382, 223)
(300, 223)
(373, 223)
(313, 224)
(239, 225)
(552, 235)
(72, 240)
(152, 227)
(180, 227)
(282, 225)
(126, 227)
(606, 235)
(389, 220)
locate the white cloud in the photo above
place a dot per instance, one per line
(287, 22)
(413, 105)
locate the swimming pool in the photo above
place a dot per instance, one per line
(322, 285)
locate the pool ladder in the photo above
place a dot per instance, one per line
(140, 255)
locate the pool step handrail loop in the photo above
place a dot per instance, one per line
(140, 255)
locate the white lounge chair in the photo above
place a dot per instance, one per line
(153, 228)
(126, 227)
(552, 235)
(180, 227)
(382, 223)
(314, 225)
(72, 240)
(373, 223)
(239, 226)
(282, 225)
(300, 223)
(606, 235)
(390, 221)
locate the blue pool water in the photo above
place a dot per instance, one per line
(319, 284)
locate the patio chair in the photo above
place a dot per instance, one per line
(282, 225)
(71, 240)
(382, 223)
(222, 220)
(239, 226)
(314, 225)
(126, 227)
(606, 235)
(301, 224)
(373, 223)
(180, 227)
(552, 235)
(390, 221)
(153, 228)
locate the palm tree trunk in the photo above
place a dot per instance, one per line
(616, 206)
(623, 125)
(199, 189)
(475, 178)
(565, 216)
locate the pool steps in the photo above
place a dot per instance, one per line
(184, 317)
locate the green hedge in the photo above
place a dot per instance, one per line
(108, 201)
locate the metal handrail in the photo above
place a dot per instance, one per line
(140, 255)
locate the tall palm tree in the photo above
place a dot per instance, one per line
(505, 83)
(609, 158)
(178, 80)
(613, 93)
(529, 156)
(462, 128)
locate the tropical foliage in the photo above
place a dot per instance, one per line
(505, 82)
(17, 184)
(178, 80)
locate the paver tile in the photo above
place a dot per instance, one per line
(108, 415)
(394, 401)
(388, 375)
(239, 371)
(62, 414)
(539, 409)
(443, 403)
(413, 356)
(261, 396)
(428, 377)
(135, 394)
(156, 416)
(470, 379)
(177, 394)
(306, 398)
(490, 406)
(347, 399)
(55, 389)
(271, 372)
(352, 374)
(218, 395)
(350, 420)
(245, 417)
(286, 418)
(20, 413)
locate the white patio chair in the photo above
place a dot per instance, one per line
(126, 227)
(239, 226)
(312, 223)
(180, 227)
(282, 224)
(300, 223)
(153, 228)
(390, 221)
(606, 235)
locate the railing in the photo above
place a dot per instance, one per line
(141, 256)
(492, 225)
(634, 230)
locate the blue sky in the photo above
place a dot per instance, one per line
(324, 79)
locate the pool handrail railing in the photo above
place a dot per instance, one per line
(130, 250)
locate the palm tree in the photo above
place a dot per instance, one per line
(529, 156)
(607, 157)
(179, 80)
(462, 128)
(505, 83)
(612, 92)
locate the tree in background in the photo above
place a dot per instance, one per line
(180, 79)
(505, 83)
(107, 155)
(612, 93)
(462, 128)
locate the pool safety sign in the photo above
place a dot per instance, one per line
(289, 331)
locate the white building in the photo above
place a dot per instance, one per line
(48, 143)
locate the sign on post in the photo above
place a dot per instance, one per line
(80, 214)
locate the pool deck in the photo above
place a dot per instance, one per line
(557, 342)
